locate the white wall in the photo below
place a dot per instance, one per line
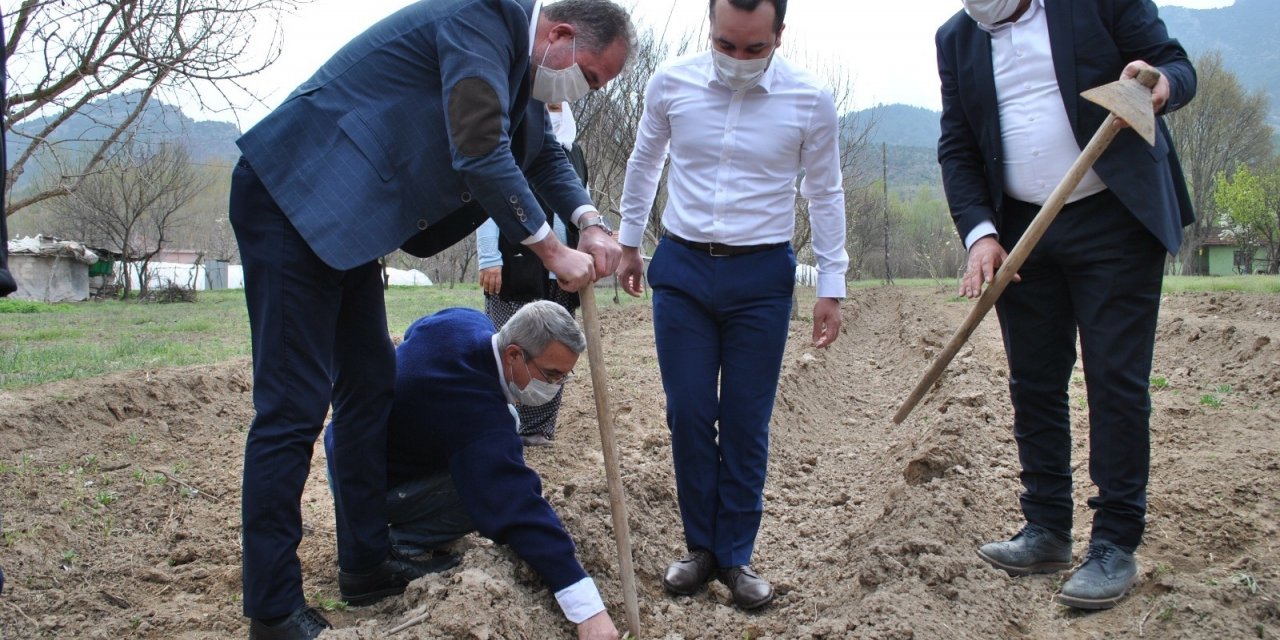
(161, 273)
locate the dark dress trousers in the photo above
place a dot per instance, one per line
(1096, 273)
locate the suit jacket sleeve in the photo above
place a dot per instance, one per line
(1141, 35)
(478, 65)
(554, 179)
(964, 176)
(503, 496)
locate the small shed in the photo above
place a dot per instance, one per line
(48, 269)
(1222, 256)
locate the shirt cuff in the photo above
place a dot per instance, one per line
(630, 235)
(983, 229)
(580, 600)
(582, 211)
(541, 234)
(831, 285)
(487, 264)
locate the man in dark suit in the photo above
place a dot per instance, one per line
(1012, 124)
(404, 137)
(455, 462)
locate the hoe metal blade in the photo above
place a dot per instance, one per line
(1130, 100)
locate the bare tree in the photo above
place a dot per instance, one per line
(609, 119)
(132, 205)
(64, 54)
(453, 265)
(1223, 127)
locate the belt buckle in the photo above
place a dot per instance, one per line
(711, 250)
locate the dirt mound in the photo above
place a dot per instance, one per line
(122, 510)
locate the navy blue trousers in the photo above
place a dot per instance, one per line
(721, 325)
(1096, 273)
(319, 337)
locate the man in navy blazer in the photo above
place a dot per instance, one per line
(455, 461)
(404, 137)
(1012, 122)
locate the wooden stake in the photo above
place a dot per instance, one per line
(604, 416)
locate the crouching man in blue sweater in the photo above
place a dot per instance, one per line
(455, 462)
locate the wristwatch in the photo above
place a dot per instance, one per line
(596, 220)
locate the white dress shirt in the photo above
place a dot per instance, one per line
(735, 157)
(1039, 145)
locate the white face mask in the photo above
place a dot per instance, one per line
(740, 75)
(536, 393)
(564, 126)
(559, 85)
(990, 12)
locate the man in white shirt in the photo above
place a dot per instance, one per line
(1012, 124)
(740, 123)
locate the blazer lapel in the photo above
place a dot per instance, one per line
(984, 77)
(1063, 44)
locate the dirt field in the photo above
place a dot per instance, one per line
(120, 497)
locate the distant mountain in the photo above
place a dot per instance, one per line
(900, 124)
(208, 142)
(910, 135)
(1247, 33)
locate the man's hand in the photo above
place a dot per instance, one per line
(985, 257)
(597, 627)
(604, 249)
(1159, 93)
(631, 271)
(826, 322)
(574, 269)
(491, 280)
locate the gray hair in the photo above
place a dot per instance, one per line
(537, 325)
(600, 23)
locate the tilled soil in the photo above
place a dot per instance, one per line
(120, 497)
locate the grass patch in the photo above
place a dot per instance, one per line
(31, 306)
(1172, 284)
(91, 339)
(1210, 400)
(1159, 382)
(329, 604)
(1244, 284)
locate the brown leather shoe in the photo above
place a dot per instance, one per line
(749, 590)
(687, 575)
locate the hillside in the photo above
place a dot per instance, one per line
(208, 142)
(1247, 33)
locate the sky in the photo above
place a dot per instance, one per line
(884, 48)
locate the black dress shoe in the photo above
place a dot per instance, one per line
(687, 575)
(304, 624)
(749, 590)
(389, 578)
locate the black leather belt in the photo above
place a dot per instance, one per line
(718, 250)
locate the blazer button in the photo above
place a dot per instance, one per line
(513, 199)
(466, 196)
(422, 225)
(520, 214)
